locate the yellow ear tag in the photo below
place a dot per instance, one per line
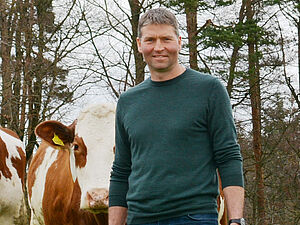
(57, 140)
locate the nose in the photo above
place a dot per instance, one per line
(97, 199)
(158, 46)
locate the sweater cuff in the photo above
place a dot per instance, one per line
(117, 194)
(231, 174)
(117, 201)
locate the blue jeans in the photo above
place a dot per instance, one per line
(191, 219)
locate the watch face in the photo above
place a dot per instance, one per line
(243, 222)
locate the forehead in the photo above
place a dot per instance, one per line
(151, 30)
(96, 125)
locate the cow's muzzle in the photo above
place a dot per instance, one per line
(97, 199)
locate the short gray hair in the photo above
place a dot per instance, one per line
(158, 16)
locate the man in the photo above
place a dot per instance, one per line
(172, 132)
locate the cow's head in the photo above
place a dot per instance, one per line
(90, 142)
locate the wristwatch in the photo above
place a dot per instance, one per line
(240, 221)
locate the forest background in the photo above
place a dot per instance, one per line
(57, 56)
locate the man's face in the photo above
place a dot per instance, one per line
(160, 47)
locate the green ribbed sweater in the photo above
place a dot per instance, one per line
(171, 136)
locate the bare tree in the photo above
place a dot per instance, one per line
(118, 64)
(35, 47)
(291, 10)
(7, 23)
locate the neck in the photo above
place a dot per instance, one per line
(167, 74)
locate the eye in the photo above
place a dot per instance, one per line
(167, 39)
(149, 40)
(76, 147)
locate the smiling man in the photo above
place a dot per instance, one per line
(173, 131)
(160, 46)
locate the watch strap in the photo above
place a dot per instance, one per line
(238, 221)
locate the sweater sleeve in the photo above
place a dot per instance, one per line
(121, 168)
(223, 135)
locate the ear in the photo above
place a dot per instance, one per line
(138, 42)
(72, 126)
(180, 42)
(47, 129)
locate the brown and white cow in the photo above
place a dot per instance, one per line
(68, 176)
(12, 172)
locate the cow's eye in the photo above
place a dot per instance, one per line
(76, 147)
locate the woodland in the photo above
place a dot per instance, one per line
(56, 55)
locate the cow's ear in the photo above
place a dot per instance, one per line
(51, 131)
(72, 126)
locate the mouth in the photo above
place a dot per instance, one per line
(159, 56)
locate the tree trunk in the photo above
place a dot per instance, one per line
(28, 74)
(298, 29)
(37, 74)
(254, 82)
(190, 8)
(23, 98)
(5, 67)
(232, 67)
(234, 55)
(135, 7)
(17, 73)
